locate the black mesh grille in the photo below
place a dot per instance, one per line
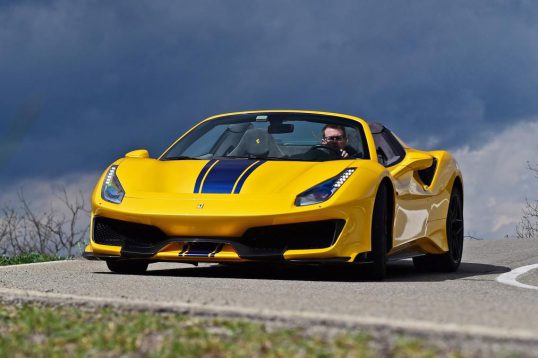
(278, 238)
(104, 234)
(119, 233)
(266, 242)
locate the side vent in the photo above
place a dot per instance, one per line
(426, 175)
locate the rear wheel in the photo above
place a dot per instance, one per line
(449, 261)
(380, 234)
(127, 267)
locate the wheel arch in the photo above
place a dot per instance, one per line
(458, 184)
(391, 204)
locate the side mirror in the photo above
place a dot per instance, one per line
(414, 160)
(139, 153)
(419, 161)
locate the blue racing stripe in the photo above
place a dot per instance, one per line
(245, 176)
(201, 175)
(222, 177)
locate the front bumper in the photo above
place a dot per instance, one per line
(313, 233)
(137, 241)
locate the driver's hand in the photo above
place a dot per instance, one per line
(343, 153)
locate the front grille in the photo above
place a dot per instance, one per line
(267, 242)
(119, 233)
(276, 239)
(105, 234)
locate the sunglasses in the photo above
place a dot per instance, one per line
(336, 138)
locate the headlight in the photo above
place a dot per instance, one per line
(323, 191)
(112, 190)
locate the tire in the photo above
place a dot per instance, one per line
(449, 261)
(380, 235)
(127, 267)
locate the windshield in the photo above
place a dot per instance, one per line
(273, 136)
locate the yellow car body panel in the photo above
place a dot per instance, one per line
(167, 195)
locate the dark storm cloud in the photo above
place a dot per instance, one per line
(114, 76)
(16, 129)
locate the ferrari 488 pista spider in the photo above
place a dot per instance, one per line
(280, 186)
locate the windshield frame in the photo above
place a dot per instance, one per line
(319, 117)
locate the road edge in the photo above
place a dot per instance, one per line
(46, 263)
(420, 329)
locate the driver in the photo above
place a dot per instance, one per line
(334, 135)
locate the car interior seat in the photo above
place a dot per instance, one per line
(257, 142)
(230, 138)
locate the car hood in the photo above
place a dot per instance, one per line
(183, 178)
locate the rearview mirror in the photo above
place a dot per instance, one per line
(139, 153)
(279, 127)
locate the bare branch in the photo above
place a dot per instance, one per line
(528, 225)
(51, 231)
(533, 168)
(472, 237)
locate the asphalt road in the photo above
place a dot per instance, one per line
(468, 303)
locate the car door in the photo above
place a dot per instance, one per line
(412, 197)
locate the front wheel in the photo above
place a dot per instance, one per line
(380, 234)
(449, 261)
(127, 267)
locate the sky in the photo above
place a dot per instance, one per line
(82, 83)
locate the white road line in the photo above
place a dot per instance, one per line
(510, 278)
(33, 264)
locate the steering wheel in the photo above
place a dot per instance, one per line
(327, 149)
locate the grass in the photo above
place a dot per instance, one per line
(27, 259)
(405, 347)
(67, 331)
(41, 331)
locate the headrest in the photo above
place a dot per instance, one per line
(239, 127)
(256, 141)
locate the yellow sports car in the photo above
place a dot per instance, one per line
(280, 186)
